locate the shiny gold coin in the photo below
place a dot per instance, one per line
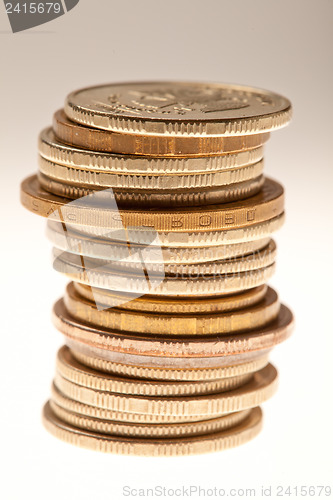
(261, 387)
(70, 369)
(241, 214)
(164, 169)
(94, 179)
(252, 261)
(218, 441)
(93, 139)
(73, 406)
(163, 324)
(146, 430)
(168, 373)
(170, 305)
(158, 283)
(173, 347)
(178, 109)
(157, 198)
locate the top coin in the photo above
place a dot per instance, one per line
(178, 109)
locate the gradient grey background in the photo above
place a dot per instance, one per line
(285, 46)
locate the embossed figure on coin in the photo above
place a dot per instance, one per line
(181, 101)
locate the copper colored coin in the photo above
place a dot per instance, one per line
(181, 347)
(262, 207)
(94, 139)
(171, 324)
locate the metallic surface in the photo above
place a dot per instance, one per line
(93, 139)
(168, 324)
(175, 374)
(265, 205)
(172, 305)
(156, 198)
(258, 389)
(70, 369)
(101, 248)
(178, 108)
(263, 257)
(163, 285)
(148, 430)
(175, 347)
(183, 240)
(206, 443)
(60, 153)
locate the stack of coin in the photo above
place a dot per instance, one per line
(159, 212)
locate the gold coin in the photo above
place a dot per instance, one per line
(167, 324)
(158, 283)
(228, 438)
(162, 168)
(261, 258)
(70, 369)
(178, 108)
(118, 416)
(158, 146)
(198, 362)
(168, 373)
(76, 176)
(241, 214)
(174, 347)
(187, 239)
(146, 430)
(157, 198)
(170, 305)
(261, 387)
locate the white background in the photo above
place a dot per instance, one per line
(284, 46)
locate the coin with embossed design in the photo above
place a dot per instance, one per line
(178, 108)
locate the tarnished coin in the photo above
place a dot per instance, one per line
(158, 146)
(168, 324)
(178, 109)
(145, 372)
(148, 430)
(70, 369)
(258, 389)
(156, 198)
(137, 167)
(170, 346)
(265, 205)
(206, 443)
(172, 305)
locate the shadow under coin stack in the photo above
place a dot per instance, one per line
(159, 212)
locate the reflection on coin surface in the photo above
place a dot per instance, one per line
(178, 108)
